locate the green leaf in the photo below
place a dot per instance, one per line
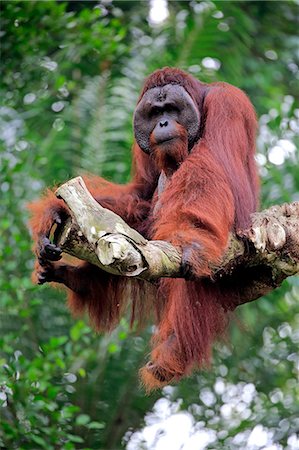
(113, 348)
(82, 419)
(38, 440)
(96, 426)
(74, 438)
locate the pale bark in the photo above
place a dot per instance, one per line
(263, 255)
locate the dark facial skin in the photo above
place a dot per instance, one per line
(159, 112)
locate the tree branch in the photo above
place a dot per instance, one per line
(257, 259)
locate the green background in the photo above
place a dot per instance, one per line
(71, 74)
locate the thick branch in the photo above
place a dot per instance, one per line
(257, 260)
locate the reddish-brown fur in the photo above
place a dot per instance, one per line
(212, 190)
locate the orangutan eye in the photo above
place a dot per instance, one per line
(156, 111)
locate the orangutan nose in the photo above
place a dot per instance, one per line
(163, 123)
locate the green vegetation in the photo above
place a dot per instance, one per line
(70, 77)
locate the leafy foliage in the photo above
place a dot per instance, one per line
(69, 84)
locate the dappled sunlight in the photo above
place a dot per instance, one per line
(158, 12)
(70, 79)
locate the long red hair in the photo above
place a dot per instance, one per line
(213, 192)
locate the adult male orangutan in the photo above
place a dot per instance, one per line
(194, 181)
